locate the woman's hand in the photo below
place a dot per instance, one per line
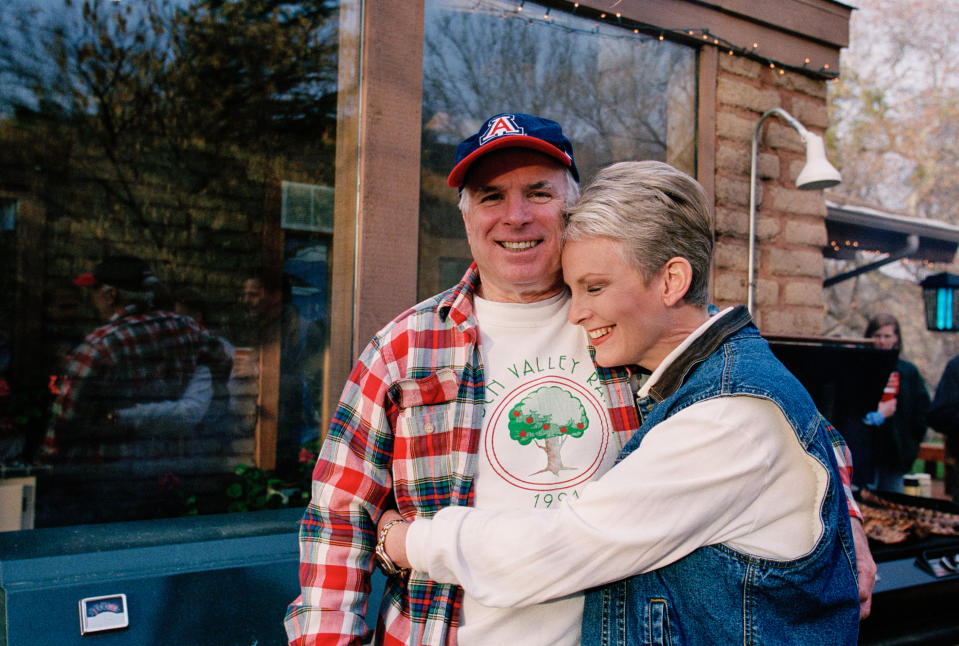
(888, 408)
(395, 543)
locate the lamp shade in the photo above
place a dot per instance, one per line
(818, 173)
(941, 302)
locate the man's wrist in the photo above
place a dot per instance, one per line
(382, 557)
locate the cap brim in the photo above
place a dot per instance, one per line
(85, 280)
(458, 174)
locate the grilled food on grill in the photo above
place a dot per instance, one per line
(889, 522)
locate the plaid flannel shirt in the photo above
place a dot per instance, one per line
(406, 432)
(135, 357)
(844, 462)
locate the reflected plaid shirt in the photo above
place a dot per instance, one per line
(134, 357)
(407, 429)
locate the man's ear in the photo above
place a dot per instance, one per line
(466, 225)
(677, 276)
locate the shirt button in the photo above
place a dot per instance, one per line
(429, 428)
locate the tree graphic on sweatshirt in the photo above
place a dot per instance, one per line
(548, 417)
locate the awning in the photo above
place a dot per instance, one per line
(854, 226)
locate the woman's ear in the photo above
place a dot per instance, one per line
(677, 276)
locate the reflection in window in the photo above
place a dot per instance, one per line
(618, 96)
(165, 310)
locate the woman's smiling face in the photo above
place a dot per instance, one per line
(625, 318)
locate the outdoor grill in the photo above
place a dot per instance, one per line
(916, 598)
(917, 593)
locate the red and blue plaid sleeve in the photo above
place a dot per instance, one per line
(844, 462)
(351, 487)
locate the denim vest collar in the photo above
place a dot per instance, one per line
(707, 343)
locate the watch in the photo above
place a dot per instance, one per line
(385, 562)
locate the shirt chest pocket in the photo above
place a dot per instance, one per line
(424, 435)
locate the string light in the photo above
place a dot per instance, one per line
(636, 27)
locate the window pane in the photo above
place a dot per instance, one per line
(198, 137)
(618, 96)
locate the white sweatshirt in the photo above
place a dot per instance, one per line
(727, 470)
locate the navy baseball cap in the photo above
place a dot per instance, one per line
(126, 272)
(513, 131)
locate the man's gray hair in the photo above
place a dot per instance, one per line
(655, 212)
(572, 192)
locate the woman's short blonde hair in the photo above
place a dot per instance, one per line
(656, 212)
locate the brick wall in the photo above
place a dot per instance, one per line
(790, 223)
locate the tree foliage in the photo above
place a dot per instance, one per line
(545, 413)
(895, 132)
(895, 108)
(123, 101)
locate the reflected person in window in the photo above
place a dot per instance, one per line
(139, 355)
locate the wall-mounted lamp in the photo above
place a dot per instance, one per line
(941, 301)
(817, 174)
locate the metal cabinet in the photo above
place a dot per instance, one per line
(221, 580)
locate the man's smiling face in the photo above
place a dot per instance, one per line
(514, 224)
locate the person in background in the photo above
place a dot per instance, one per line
(898, 423)
(944, 418)
(726, 512)
(139, 355)
(447, 407)
(263, 297)
(276, 320)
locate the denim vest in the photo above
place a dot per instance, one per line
(717, 595)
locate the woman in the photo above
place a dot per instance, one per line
(726, 513)
(899, 421)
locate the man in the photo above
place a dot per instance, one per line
(944, 417)
(277, 322)
(484, 395)
(140, 355)
(726, 514)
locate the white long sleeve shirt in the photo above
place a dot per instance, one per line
(726, 470)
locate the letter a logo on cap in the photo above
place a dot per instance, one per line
(500, 127)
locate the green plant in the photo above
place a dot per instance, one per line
(254, 488)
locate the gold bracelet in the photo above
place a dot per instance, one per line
(385, 562)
